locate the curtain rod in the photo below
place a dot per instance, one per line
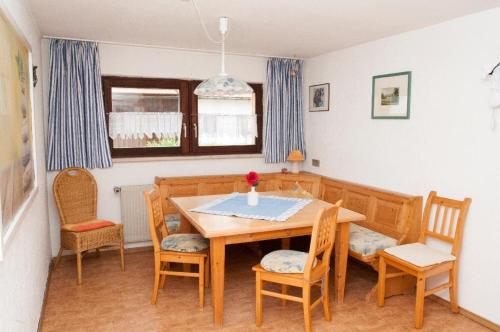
(170, 48)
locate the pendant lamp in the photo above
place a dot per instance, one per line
(223, 85)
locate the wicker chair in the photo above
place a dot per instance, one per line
(75, 192)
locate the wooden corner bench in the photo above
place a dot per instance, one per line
(392, 218)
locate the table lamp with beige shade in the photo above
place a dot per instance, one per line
(295, 157)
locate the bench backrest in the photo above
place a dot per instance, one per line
(225, 184)
(393, 214)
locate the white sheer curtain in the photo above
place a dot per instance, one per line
(227, 129)
(133, 125)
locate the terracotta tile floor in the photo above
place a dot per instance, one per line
(111, 300)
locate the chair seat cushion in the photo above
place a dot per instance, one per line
(173, 222)
(285, 261)
(420, 254)
(184, 243)
(366, 242)
(87, 225)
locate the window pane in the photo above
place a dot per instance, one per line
(225, 121)
(145, 118)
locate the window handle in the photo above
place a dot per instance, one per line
(195, 127)
(185, 130)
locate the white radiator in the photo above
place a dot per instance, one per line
(134, 214)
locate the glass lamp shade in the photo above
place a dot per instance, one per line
(223, 86)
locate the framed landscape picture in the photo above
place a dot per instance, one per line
(17, 159)
(319, 97)
(391, 94)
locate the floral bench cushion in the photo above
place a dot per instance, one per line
(285, 261)
(184, 243)
(366, 242)
(173, 222)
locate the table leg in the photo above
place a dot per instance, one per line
(341, 254)
(217, 256)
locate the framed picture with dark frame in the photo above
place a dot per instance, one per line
(391, 96)
(319, 97)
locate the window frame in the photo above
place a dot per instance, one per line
(109, 82)
(226, 149)
(189, 107)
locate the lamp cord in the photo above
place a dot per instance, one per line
(492, 71)
(495, 84)
(203, 25)
(493, 122)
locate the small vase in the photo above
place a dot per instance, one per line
(253, 197)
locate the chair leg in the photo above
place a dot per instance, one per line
(58, 258)
(162, 281)
(154, 297)
(163, 267)
(258, 299)
(370, 294)
(79, 268)
(326, 297)
(207, 271)
(453, 289)
(284, 289)
(381, 282)
(201, 282)
(419, 306)
(97, 252)
(306, 302)
(122, 253)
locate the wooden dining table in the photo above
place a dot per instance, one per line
(225, 230)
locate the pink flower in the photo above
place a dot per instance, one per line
(252, 178)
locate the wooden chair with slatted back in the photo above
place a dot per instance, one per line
(303, 270)
(175, 248)
(422, 261)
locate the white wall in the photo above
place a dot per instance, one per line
(23, 272)
(124, 60)
(447, 144)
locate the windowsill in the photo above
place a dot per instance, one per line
(178, 158)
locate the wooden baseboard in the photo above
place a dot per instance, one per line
(46, 292)
(71, 255)
(467, 313)
(139, 249)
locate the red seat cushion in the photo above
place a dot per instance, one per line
(87, 225)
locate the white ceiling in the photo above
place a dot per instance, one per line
(301, 28)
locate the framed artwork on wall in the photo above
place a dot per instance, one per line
(17, 155)
(391, 95)
(319, 97)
